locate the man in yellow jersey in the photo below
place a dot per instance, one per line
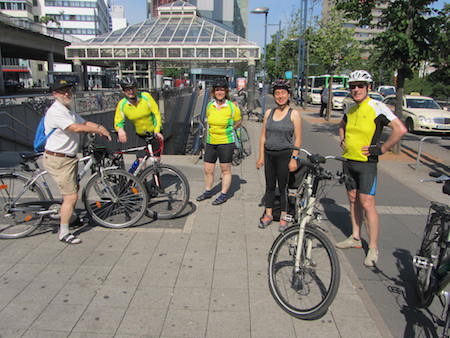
(138, 107)
(360, 131)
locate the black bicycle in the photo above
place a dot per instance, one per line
(432, 261)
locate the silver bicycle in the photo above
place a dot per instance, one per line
(304, 271)
(112, 197)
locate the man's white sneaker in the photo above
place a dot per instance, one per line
(350, 242)
(371, 258)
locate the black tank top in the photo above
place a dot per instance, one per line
(279, 134)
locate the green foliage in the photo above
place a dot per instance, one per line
(428, 86)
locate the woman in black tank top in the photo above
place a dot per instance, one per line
(280, 132)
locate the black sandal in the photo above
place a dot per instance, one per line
(70, 239)
(264, 221)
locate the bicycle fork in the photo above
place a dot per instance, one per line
(301, 235)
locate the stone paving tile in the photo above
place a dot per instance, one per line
(152, 298)
(102, 258)
(39, 292)
(257, 278)
(166, 259)
(113, 296)
(58, 317)
(91, 275)
(89, 335)
(45, 334)
(190, 298)
(235, 324)
(231, 261)
(21, 272)
(229, 300)
(11, 333)
(135, 257)
(116, 240)
(56, 272)
(20, 316)
(139, 323)
(349, 305)
(193, 277)
(76, 293)
(230, 279)
(349, 327)
(322, 327)
(100, 319)
(40, 255)
(73, 257)
(125, 276)
(159, 277)
(185, 323)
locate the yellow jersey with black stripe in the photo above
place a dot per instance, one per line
(145, 116)
(364, 124)
(221, 121)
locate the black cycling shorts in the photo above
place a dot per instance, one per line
(361, 176)
(222, 151)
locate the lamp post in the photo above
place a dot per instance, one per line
(265, 11)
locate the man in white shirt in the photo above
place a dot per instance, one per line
(61, 149)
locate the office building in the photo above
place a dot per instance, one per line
(118, 19)
(230, 14)
(362, 33)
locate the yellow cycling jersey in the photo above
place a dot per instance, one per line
(364, 124)
(221, 122)
(145, 116)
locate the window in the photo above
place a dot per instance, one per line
(40, 67)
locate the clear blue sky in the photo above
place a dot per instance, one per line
(135, 12)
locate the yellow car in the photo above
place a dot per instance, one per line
(422, 113)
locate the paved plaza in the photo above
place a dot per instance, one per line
(202, 275)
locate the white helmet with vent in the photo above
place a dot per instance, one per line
(360, 76)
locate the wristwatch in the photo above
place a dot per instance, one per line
(295, 157)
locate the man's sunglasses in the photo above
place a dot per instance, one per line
(352, 86)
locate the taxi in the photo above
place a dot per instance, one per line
(314, 96)
(421, 113)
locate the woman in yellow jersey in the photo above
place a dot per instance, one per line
(223, 118)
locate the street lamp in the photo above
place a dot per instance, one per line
(265, 11)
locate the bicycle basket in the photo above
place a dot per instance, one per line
(296, 177)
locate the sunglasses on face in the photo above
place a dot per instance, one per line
(353, 86)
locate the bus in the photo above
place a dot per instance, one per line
(339, 81)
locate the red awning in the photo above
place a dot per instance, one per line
(15, 70)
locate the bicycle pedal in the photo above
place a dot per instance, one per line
(288, 218)
(422, 262)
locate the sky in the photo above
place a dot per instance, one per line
(135, 12)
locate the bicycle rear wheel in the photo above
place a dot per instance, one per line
(116, 200)
(308, 293)
(245, 141)
(169, 197)
(429, 249)
(18, 219)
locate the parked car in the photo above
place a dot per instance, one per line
(421, 113)
(12, 86)
(314, 96)
(348, 99)
(338, 97)
(386, 90)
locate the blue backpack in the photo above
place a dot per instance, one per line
(40, 138)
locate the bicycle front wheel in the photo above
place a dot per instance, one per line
(115, 200)
(429, 249)
(168, 191)
(307, 293)
(18, 217)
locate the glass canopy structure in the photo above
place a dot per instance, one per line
(177, 37)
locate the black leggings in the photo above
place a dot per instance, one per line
(277, 171)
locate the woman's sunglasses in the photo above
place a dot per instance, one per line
(352, 86)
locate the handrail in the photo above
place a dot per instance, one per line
(419, 152)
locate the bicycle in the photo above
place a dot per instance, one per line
(243, 146)
(304, 271)
(112, 197)
(432, 261)
(167, 187)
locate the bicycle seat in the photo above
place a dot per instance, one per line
(10, 159)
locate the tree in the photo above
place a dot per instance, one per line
(335, 48)
(408, 38)
(48, 19)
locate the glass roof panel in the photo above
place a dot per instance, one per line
(142, 33)
(167, 33)
(113, 35)
(205, 34)
(126, 37)
(219, 36)
(192, 35)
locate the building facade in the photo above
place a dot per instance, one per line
(231, 14)
(118, 19)
(362, 33)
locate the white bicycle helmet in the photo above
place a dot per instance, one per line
(360, 76)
